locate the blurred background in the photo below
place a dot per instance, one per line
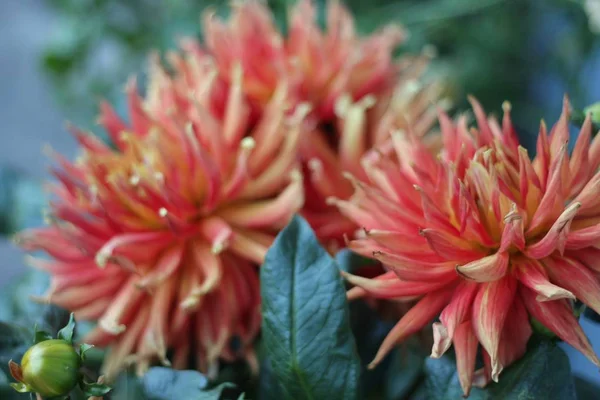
(59, 57)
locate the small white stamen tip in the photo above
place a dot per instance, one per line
(368, 101)
(102, 258)
(506, 106)
(302, 110)
(247, 143)
(315, 165)
(134, 180)
(296, 175)
(237, 71)
(218, 247)
(342, 105)
(162, 212)
(190, 303)
(331, 201)
(159, 176)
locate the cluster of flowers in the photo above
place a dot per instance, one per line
(159, 236)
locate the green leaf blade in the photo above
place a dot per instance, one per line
(544, 372)
(306, 325)
(68, 331)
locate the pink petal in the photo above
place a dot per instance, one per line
(413, 321)
(513, 234)
(558, 316)
(455, 313)
(392, 288)
(490, 309)
(465, 345)
(575, 277)
(533, 275)
(515, 335)
(452, 247)
(556, 238)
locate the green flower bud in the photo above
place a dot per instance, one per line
(50, 368)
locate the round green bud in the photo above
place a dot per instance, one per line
(51, 368)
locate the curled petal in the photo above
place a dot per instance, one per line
(456, 312)
(486, 269)
(392, 288)
(490, 309)
(575, 277)
(513, 234)
(358, 292)
(556, 238)
(558, 316)
(410, 270)
(583, 238)
(268, 212)
(465, 344)
(552, 193)
(451, 247)
(533, 275)
(165, 267)
(515, 334)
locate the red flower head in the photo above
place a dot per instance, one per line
(489, 237)
(159, 239)
(349, 80)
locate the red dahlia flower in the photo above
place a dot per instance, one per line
(159, 239)
(489, 237)
(351, 82)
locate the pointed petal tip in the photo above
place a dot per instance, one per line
(556, 294)
(441, 340)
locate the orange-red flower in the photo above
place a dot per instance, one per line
(351, 82)
(159, 239)
(484, 234)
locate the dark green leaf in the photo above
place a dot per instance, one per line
(306, 328)
(540, 329)
(404, 372)
(161, 383)
(67, 332)
(369, 331)
(62, 397)
(40, 336)
(268, 386)
(543, 373)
